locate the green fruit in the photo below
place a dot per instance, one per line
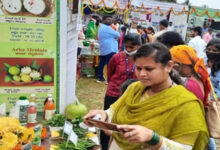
(75, 110)
(47, 78)
(13, 70)
(85, 43)
(16, 78)
(7, 79)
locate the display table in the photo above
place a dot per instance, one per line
(88, 62)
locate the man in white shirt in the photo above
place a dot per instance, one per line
(163, 28)
(197, 42)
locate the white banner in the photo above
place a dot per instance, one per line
(179, 24)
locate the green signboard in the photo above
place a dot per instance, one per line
(28, 59)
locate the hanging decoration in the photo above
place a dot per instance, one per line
(203, 13)
(101, 5)
(116, 8)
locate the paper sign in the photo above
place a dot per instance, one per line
(67, 127)
(83, 125)
(73, 137)
(95, 140)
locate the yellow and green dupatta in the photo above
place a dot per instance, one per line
(174, 113)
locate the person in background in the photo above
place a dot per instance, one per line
(170, 39)
(207, 36)
(205, 27)
(133, 28)
(120, 24)
(163, 24)
(189, 65)
(155, 112)
(142, 34)
(121, 39)
(97, 25)
(170, 26)
(115, 24)
(218, 35)
(150, 32)
(197, 42)
(120, 69)
(108, 45)
(213, 55)
(81, 37)
(91, 28)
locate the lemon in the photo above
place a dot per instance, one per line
(16, 78)
(25, 78)
(47, 78)
(13, 70)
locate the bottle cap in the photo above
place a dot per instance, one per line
(50, 99)
(22, 98)
(33, 95)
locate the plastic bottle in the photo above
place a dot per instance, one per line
(33, 99)
(32, 115)
(49, 109)
(48, 96)
(23, 105)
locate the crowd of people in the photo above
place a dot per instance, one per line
(158, 88)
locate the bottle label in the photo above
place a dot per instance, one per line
(32, 118)
(49, 114)
(23, 113)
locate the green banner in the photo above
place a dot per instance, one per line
(28, 60)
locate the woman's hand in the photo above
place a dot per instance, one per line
(92, 113)
(108, 132)
(136, 133)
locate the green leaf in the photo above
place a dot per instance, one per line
(17, 66)
(7, 66)
(34, 65)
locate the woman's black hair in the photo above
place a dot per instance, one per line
(134, 38)
(197, 29)
(123, 28)
(98, 21)
(161, 55)
(125, 85)
(170, 39)
(216, 65)
(151, 29)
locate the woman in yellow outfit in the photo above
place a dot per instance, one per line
(156, 112)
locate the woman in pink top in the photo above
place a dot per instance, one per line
(189, 65)
(207, 36)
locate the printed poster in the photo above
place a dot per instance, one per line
(28, 59)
